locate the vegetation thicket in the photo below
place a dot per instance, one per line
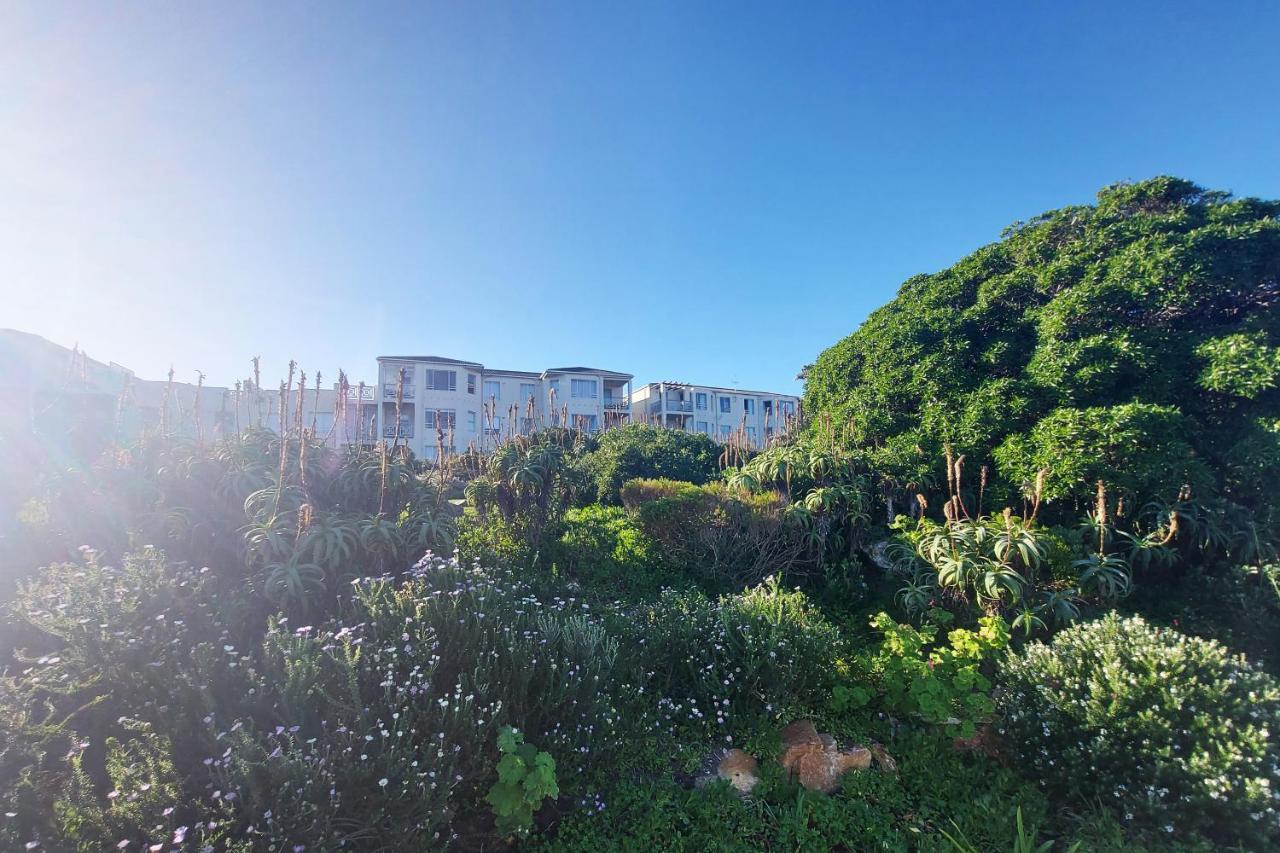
(1017, 550)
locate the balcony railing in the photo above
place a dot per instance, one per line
(390, 432)
(389, 391)
(679, 405)
(615, 405)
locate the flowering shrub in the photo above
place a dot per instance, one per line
(1171, 729)
(387, 720)
(717, 667)
(149, 721)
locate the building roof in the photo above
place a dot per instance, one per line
(523, 374)
(434, 359)
(694, 385)
(612, 373)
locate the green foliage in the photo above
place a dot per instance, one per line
(606, 550)
(1241, 365)
(1024, 842)
(722, 667)
(1132, 340)
(526, 777)
(720, 537)
(1135, 448)
(1003, 564)
(935, 790)
(644, 451)
(914, 674)
(529, 482)
(1171, 729)
(825, 491)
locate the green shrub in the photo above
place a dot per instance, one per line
(526, 777)
(1133, 340)
(913, 674)
(1171, 729)
(646, 451)
(604, 549)
(723, 668)
(720, 538)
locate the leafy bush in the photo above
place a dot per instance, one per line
(530, 481)
(911, 673)
(1131, 341)
(526, 777)
(825, 491)
(392, 715)
(722, 539)
(722, 667)
(646, 451)
(1170, 728)
(376, 729)
(606, 550)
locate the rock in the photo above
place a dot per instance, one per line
(800, 733)
(739, 770)
(855, 758)
(814, 758)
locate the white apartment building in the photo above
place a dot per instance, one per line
(456, 404)
(717, 412)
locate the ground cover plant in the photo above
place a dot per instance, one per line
(268, 643)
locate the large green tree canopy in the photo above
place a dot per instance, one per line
(1133, 341)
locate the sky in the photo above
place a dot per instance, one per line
(694, 191)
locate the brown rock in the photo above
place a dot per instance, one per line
(739, 769)
(800, 732)
(816, 771)
(814, 758)
(856, 758)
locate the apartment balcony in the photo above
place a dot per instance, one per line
(679, 405)
(612, 404)
(406, 431)
(389, 391)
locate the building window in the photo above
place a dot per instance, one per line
(471, 421)
(751, 435)
(471, 383)
(442, 380)
(583, 388)
(701, 398)
(703, 428)
(586, 423)
(787, 407)
(445, 419)
(527, 390)
(726, 405)
(725, 429)
(492, 389)
(748, 405)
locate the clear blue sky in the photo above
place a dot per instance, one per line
(703, 191)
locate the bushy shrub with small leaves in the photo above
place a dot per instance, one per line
(387, 720)
(717, 667)
(605, 550)
(1172, 730)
